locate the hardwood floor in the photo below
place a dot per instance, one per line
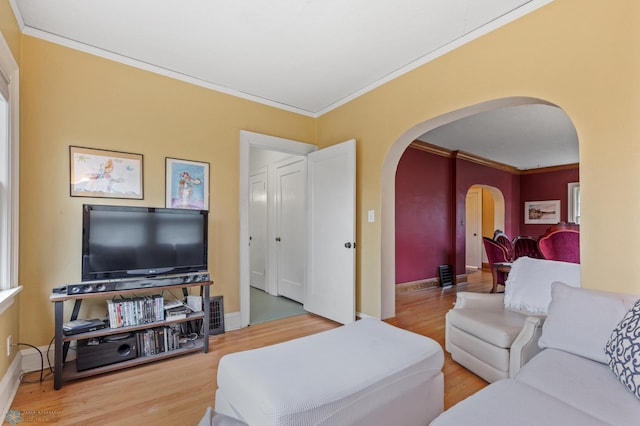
(177, 391)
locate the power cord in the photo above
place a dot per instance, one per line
(43, 377)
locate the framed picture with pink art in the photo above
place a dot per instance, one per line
(187, 184)
(542, 212)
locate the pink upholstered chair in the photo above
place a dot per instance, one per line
(502, 239)
(496, 253)
(524, 245)
(561, 242)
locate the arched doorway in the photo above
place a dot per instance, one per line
(388, 186)
(485, 212)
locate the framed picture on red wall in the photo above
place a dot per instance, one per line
(542, 212)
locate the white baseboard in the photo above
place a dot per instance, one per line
(31, 358)
(363, 316)
(9, 385)
(232, 321)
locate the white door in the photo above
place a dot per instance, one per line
(291, 227)
(258, 230)
(473, 228)
(331, 251)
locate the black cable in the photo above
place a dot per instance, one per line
(48, 351)
(42, 376)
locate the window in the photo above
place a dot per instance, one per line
(9, 84)
(574, 203)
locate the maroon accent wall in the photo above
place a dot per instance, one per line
(545, 186)
(423, 215)
(430, 207)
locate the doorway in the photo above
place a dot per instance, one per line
(329, 226)
(277, 211)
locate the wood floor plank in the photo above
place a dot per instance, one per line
(178, 390)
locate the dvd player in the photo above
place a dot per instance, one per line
(82, 326)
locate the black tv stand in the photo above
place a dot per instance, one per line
(65, 371)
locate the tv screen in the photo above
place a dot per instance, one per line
(138, 242)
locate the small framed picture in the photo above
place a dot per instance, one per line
(102, 173)
(542, 212)
(187, 184)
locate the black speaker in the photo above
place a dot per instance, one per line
(94, 353)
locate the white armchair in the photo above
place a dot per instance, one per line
(489, 340)
(493, 335)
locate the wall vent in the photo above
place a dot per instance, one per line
(216, 315)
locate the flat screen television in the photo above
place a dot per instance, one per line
(141, 242)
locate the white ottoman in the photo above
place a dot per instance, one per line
(367, 372)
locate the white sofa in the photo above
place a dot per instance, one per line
(570, 382)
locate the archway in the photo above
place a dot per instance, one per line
(486, 225)
(387, 251)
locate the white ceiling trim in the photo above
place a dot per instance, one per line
(496, 23)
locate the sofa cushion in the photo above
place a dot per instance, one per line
(623, 350)
(580, 321)
(498, 327)
(528, 286)
(508, 403)
(581, 383)
(341, 376)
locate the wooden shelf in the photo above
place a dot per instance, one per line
(64, 371)
(70, 371)
(121, 330)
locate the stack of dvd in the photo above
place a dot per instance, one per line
(157, 340)
(136, 311)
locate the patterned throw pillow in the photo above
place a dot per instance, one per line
(623, 350)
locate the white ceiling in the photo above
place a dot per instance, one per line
(525, 137)
(305, 56)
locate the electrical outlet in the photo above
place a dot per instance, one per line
(9, 346)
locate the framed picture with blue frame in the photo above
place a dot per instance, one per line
(187, 184)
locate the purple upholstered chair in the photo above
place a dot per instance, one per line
(561, 242)
(496, 253)
(524, 245)
(502, 239)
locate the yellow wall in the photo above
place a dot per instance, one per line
(72, 98)
(9, 28)
(582, 56)
(488, 225)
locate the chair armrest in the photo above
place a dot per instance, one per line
(526, 344)
(479, 301)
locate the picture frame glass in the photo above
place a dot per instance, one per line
(542, 212)
(106, 174)
(187, 184)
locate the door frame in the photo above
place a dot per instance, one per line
(250, 140)
(478, 216)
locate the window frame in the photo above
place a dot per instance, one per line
(573, 210)
(9, 250)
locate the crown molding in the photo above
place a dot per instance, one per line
(432, 149)
(462, 155)
(485, 162)
(550, 169)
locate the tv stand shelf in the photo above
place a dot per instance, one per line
(65, 371)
